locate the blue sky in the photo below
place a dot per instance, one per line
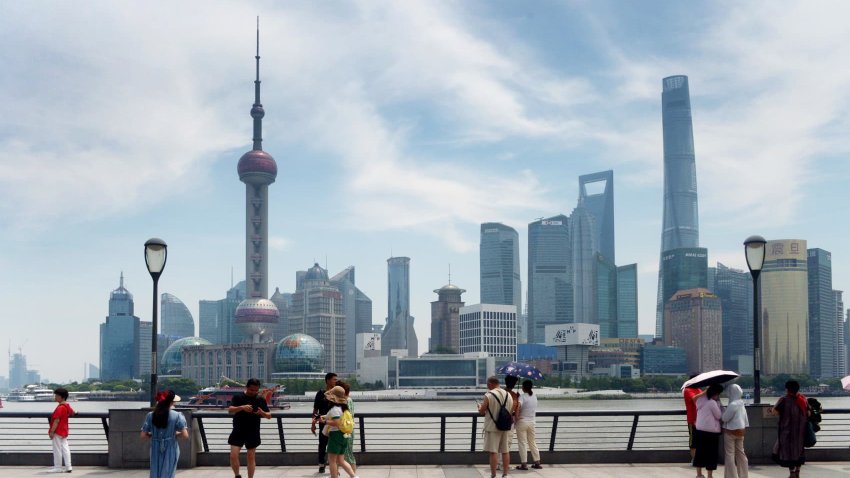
(398, 127)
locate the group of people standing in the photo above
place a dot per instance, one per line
(708, 421)
(336, 447)
(498, 433)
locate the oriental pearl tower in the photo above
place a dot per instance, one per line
(256, 315)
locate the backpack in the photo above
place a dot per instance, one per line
(346, 422)
(504, 421)
(815, 410)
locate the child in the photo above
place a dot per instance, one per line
(59, 431)
(337, 442)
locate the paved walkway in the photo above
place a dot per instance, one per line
(814, 470)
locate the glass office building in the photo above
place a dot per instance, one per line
(735, 289)
(550, 291)
(681, 269)
(822, 327)
(606, 297)
(627, 301)
(596, 194)
(119, 338)
(399, 334)
(499, 265)
(440, 371)
(177, 321)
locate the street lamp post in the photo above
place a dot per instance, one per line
(754, 247)
(156, 252)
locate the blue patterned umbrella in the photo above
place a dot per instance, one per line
(520, 370)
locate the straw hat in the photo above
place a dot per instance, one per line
(336, 395)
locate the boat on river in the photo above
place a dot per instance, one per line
(220, 397)
(30, 393)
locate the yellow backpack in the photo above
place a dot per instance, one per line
(346, 422)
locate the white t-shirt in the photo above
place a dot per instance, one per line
(334, 413)
(527, 406)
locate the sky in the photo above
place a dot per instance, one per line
(398, 128)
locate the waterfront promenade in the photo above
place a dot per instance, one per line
(814, 470)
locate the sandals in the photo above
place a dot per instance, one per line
(522, 467)
(537, 466)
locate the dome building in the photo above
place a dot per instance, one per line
(172, 358)
(299, 356)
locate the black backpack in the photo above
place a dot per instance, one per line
(815, 410)
(504, 421)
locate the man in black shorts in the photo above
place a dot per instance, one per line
(247, 409)
(321, 406)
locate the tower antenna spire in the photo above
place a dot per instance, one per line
(257, 111)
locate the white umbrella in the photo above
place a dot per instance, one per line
(845, 383)
(709, 378)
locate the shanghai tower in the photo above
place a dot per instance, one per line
(256, 315)
(680, 229)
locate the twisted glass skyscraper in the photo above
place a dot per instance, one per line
(680, 227)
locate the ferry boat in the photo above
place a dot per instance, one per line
(19, 395)
(221, 396)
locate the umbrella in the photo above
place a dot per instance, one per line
(845, 383)
(710, 378)
(521, 370)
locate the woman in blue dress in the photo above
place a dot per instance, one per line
(163, 426)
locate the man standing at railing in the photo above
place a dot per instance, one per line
(247, 409)
(321, 406)
(496, 409)
(58, 432)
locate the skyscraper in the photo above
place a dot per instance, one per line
(693, 320)
(785, 308)
(119, 337)
(499, 265)
(355, 304)
(681, 269)
(18, 370)
(583, 248)
(208, 321)
(445, 319)
(257, 169)
(317, 310)
(550, 291)
(596, 194)
(735, 289)
(606, 297)
(840, 335)
(627, 302)
(489, 328)
(399, 334)
(680, 228)
(822, 343)
(283, 302)
(177, 321)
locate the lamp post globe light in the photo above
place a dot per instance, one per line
(156, 252)
(754, 248)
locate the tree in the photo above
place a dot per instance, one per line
(181, 386)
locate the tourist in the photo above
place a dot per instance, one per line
(496, 438)
(792, 409)
(163, 426)
(337, 442)
(349, 451)
(707, 435)
(321, 406)
(691, 412)
(525, 427)
(735, 423)
(247, 408)
(58, 431)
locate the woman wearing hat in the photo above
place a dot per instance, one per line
(163, 426)
(337, 442)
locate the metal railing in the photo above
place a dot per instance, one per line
(286, 432)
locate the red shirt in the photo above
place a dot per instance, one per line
(62, 412)
(690, 406)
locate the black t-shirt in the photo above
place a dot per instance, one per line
(244, 421)
(321, 405)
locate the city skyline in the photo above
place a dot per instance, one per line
(399, 130)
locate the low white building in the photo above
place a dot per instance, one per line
(490, 328)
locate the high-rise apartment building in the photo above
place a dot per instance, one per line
(694, 322)
(499, 265)
(596, 195)
(177, 321)
(143, 352)
(445, 319)
(680, 224)
(317, 311)
(489, 328)
(550, 291)
(785, 308)
(734, 287)
(399, 334)
(627, 302)
(840, 336)
(822, 339)
(119, 338)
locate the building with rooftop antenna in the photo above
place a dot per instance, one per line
(257, 315)
(119, 337)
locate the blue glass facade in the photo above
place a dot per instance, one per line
(499, 265)
(399, 332)
(822, 324)
(735, 290)
(177, 321)
(661, 360)
(584, 266)
(596, 194)
(606, 297)
(627, 301)
(119, 338)
(550, 291)
(681, 269)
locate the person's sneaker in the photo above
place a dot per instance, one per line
(537, 466)
(55, 470)
(238, 476)
(321, 469)
(69, 470)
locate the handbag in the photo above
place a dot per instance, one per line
(809, 438)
